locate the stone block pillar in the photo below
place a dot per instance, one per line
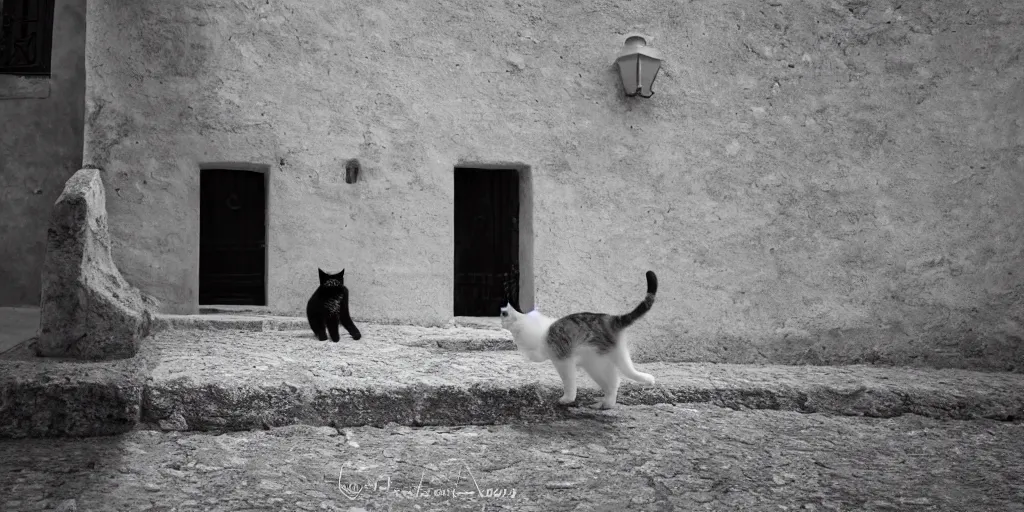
(87, 309)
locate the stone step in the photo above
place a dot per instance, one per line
(639, 458)
(479, 335)
(203, 379)
(50, 397)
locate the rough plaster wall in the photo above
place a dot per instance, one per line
(814, 182)
(40, 148)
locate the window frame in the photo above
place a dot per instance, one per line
(12, 14)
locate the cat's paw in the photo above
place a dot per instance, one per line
(356, 336)
(645, 378)
(566, 400)
(601, 405)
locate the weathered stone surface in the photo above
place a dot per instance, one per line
(452, 337)
(238, 380)
(88, 310)
(70, 505)
(644, 458)
(810, 178)
(234, 380)
(45, 397)
(212, 322)
(40, 148)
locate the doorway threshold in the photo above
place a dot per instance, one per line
(235, 310)
(477, 322)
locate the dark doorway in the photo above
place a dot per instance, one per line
(486, 239)
(232, 237)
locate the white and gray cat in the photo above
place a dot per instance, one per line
(594, 341)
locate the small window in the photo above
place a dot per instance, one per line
(26, 37)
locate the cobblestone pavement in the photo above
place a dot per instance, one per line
(666, 457)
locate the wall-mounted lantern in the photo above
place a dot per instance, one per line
(638, 66)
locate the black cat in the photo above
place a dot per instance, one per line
(328, 306)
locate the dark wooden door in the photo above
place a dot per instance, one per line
(232, 237)
(486, 238)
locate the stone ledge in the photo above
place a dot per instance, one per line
(15, 87)
(47, 397)
(241, 381)
(454, 338)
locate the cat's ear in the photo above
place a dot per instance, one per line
(512, 313)
(323, 275)
(342, 273)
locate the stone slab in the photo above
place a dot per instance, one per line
(238, 380)
(234, 379)
(641, 458)
(50, 397)
(453, 337)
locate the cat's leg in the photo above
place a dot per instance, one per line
(606, 374)
(620, 355)
(332, 327)
(567, 371)
(348, 324)
(316, 322)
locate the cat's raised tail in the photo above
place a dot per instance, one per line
(623, 321)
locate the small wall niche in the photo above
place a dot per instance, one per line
(352, 169)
